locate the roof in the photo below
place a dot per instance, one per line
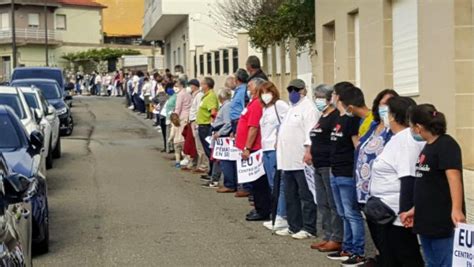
(8, 90)
(37, 68)
(33, 80)
(87, 3)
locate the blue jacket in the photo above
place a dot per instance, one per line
(237, 103)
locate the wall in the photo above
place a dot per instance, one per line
(175, 39)
(445, 55)
(122, 17)
(83, 25)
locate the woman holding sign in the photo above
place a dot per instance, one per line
(274, 110)
(438, 195)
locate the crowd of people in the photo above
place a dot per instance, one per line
(390, 168)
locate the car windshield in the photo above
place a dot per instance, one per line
(20, 74)
(13, 102)
(49, 90)
(31, 100)
(9, 138)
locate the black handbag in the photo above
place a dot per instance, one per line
(378, 212)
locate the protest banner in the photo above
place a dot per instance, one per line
(224, 149)
(309, 174)
(250, 169)
(463, 249)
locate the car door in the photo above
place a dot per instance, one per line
(52, 119)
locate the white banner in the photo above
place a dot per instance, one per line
(224, 149)
(309, 174)
(463, 249)
(250, 169)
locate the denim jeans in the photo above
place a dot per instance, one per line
(331, 222)
(229, 168)
(437, 251)
(269, 164)
(345, 198)
(301, 210)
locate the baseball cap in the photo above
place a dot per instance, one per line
(297, 83)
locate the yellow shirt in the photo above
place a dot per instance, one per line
(365, 125)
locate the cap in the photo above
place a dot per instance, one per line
(297, 83)
(194, 82)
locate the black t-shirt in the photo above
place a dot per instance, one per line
(321, 139)
(342, 150)
(432, 195)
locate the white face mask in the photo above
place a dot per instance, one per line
(267, 98)
(189, 90)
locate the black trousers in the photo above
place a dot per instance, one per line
(262, 196)
(163, 130)
(398, 247)
(204, 130)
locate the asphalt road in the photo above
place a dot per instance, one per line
(114, 200)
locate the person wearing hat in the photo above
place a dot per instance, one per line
(292, 143)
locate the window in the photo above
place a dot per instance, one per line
(329, 53)
(226, 61)
(209, 63)
(354, 47)
(235, 59)
(60, 22)
(217, 62)
(5, 20)
(185, 56)
(9, 137)
(405, 46)
(179, 56)
(33, 20)
(201, 64)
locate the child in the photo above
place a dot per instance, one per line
(177, 138)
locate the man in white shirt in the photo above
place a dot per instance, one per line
(293, 140)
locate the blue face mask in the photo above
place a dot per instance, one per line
(383, 110)
(294, 97)
(321, 104)
(417, 137)
(170, 91)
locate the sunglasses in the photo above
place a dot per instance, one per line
(291, 89)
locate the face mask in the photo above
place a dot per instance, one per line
(176, 89)
(334, 100)
(383, 114)
(189, 90)
(170, 91)
(267, 98)
(349, 113)
(417, 137)
(249, 94)
(294, 97)
(321, 104)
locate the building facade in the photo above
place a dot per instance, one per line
(422, 49)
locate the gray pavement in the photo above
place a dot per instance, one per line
(114, 200)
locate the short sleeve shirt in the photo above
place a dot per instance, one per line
(251, 116)
(321, 139)
(432, 196)
(208, 103)
(342, 150)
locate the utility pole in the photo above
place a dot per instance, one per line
(46, 32)
(14, 59)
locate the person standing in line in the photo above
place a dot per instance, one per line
(206, 113)
(176, 138)
(438, 187)
(183, 101)
(169, 109)
(320, 154)
(98, 84)
(292, 143)
(344, 139)
(274, 111)
(248, 140)
(254, 68)
(147, 97)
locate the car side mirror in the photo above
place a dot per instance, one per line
(16, 188)
(38, 115)
(51, 110)
(37, 141)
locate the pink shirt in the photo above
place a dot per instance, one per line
(183, 104)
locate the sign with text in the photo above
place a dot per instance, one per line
(309, 174)
(249, 170)
(463, 249)
(224, 149)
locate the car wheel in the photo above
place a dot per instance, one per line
(57, 149)
(70, 126)
(42, 247)
(49, 158)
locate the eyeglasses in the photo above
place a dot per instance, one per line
(291, 89)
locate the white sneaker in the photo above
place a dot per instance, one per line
(184, 162)
(131, 107)
(284, 232)
(302, 235)
(280, 224)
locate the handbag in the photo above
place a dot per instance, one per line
(378, 212)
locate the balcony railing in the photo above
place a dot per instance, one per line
(30, 35)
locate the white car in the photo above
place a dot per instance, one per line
(49, 123)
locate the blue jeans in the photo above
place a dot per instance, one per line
(345, 198)
(269, 164)
(229, 168)
(438, 252)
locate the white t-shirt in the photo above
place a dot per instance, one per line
(293, 135)
(398, 159)
(269, 124)
(195, 105)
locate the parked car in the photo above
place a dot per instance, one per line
(15, 217)
(52, 92)
(49, 123)
(22, 152)
(15, 99)
(43, 73)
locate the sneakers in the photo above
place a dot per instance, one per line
(339, 256)
(184, 162)
(280, 224)
(302, 235)
(284, 232)
(177, 165)
(354, 260)
(211, 185)
(131, 107)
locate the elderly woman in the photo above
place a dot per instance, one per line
(221, 127)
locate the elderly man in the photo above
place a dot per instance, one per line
(254, 68)
(292, 143)
(248, 140)
(205, 115)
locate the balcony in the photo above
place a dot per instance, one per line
(30, 36)
(162, 16)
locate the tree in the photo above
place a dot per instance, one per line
(96, 56)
